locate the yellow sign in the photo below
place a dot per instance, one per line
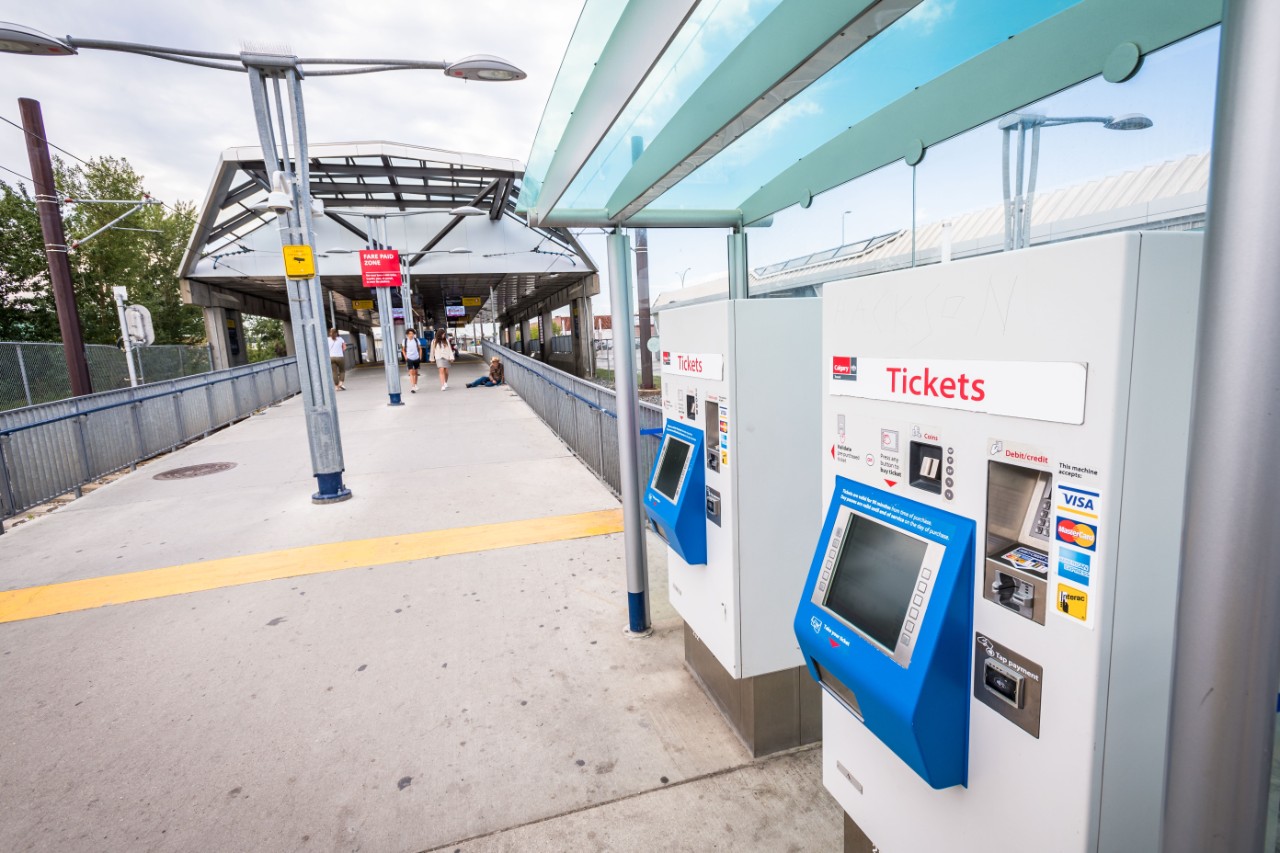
(1073, 602)
(299, 262)
(362, 304)
(472, 301)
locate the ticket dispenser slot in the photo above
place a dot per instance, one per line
(676, 498)
(886, 621)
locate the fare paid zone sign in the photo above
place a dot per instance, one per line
(380, 267)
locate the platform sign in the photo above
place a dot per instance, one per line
(472, 301)
(380, 267)
(362, 304)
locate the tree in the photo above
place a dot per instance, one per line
(27, 311)
(264, 338)
(142, 255)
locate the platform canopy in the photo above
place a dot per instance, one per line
(720, 113)
(234, 258)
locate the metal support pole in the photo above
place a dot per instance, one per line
(55, 247)
(1227, 653)
(120, 293)
(1031, 187)
(306, 306)
(375, 227)
(624, 386)
(642, 287)
(1008, 192)
(22, 371)
(738, 264)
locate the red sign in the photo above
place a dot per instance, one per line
(380, 267)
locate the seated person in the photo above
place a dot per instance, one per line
(494, 377)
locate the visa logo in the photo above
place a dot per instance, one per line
(1078, 501)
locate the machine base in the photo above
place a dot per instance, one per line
(855, 840)
(770, 712)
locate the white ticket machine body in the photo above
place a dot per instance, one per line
(739, 385)
(992, 601)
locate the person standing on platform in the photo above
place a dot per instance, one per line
(412, 353)
(338, 358)
(442, 355)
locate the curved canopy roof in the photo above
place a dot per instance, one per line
(719, 113)
(235, 248)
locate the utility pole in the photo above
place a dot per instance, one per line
(55, 247)
(642, 288)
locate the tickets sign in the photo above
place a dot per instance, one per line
(700, 364)
(380, 267)
(1038, 390)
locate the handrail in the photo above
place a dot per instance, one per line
(270, 365)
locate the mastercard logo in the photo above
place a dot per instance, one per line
(1077, 533)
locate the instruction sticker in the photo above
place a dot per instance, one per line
(1072, 602)
(1074, 565)
(1027, 559)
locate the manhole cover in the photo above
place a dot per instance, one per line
(194, 471)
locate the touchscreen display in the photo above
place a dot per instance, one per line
(670, 465)
(874, 579)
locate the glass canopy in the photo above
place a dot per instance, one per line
(741, 108)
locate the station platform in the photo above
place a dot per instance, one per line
(215, 663)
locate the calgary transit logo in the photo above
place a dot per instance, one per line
(844, 367)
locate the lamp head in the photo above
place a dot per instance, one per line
(15, 38)
(482, 66)
(1132, 121)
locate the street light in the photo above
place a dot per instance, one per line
(1017, 205)
(684, 273)
(274, 80)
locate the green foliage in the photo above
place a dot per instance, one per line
(26, 302)
(145, 263)
(264, 338)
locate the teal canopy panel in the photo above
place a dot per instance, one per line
(755, 105)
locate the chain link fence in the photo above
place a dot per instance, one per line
(35, 373)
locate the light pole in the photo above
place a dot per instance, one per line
(842, 219)
(1017, 202)
(684, 272)
(273, 80)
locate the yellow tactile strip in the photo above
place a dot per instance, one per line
(36, 601)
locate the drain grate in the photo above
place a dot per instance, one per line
(194, 471)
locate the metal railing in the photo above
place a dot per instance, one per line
(35, 373)
(582, 414)
(55, 448)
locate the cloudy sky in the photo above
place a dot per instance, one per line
(171, 120)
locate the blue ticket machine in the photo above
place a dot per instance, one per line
(676, 497)
(886, 623)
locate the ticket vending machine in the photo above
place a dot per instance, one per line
(734, 490)
(991, 606)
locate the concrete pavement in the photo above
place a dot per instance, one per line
(480, 700)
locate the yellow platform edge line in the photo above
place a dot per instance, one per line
(49, 600)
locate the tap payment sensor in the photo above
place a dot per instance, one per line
(990, 609)
(735, 488)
